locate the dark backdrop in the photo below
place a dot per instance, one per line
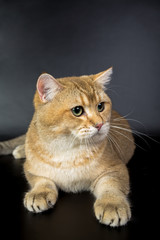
(80, 37)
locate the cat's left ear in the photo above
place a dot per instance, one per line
(103, 78)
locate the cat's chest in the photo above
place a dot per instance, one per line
(74, 178)
(73, 172)
(70, 170)
(69, 159)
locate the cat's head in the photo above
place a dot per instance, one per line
(76, 106)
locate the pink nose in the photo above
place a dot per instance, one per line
(98, 126)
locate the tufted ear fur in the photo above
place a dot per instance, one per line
(47, 87)
(103, 78)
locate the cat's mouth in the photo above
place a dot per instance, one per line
(94, 132)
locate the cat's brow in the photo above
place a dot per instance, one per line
(88, 93)
(84, 99)
(80, 88)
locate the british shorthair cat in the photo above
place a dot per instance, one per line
(76, 142)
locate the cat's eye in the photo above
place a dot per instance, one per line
(77, 111)
(100, 107)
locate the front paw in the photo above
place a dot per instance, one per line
(39, 201)
(112, 213)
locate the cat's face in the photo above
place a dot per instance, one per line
(76, 106)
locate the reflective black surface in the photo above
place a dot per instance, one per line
(72, 217)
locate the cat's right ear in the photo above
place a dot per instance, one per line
(47, 87)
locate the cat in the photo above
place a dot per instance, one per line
(76, 142)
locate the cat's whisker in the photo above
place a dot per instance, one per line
(87, 145)
(80, 144)
(95, 148)
(121, 124)
(129, 119)
(130, 139)
(123, 117)
(116, 146)
(110, 141)
(137, 133)
(71, 143)
(111, 90)
(92, 146)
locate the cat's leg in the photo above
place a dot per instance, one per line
(7, 147)
(42, 196)
(112, 206)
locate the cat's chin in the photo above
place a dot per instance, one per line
(102, 134)
(99, 137)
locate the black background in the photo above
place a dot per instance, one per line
(68, 38)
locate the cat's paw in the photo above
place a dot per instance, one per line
(40, 201)
(112, 214)
(19, 152)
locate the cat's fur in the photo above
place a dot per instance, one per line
(88, 152)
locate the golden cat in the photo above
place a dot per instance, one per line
(76, 142)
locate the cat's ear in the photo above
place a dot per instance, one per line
(47, 87)
(103, 78)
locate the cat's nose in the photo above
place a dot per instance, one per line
(98, 126)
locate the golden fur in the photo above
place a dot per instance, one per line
(75, 153)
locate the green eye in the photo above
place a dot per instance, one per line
(77, 111)
(100, 107)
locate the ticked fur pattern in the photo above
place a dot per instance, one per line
(76, 142)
